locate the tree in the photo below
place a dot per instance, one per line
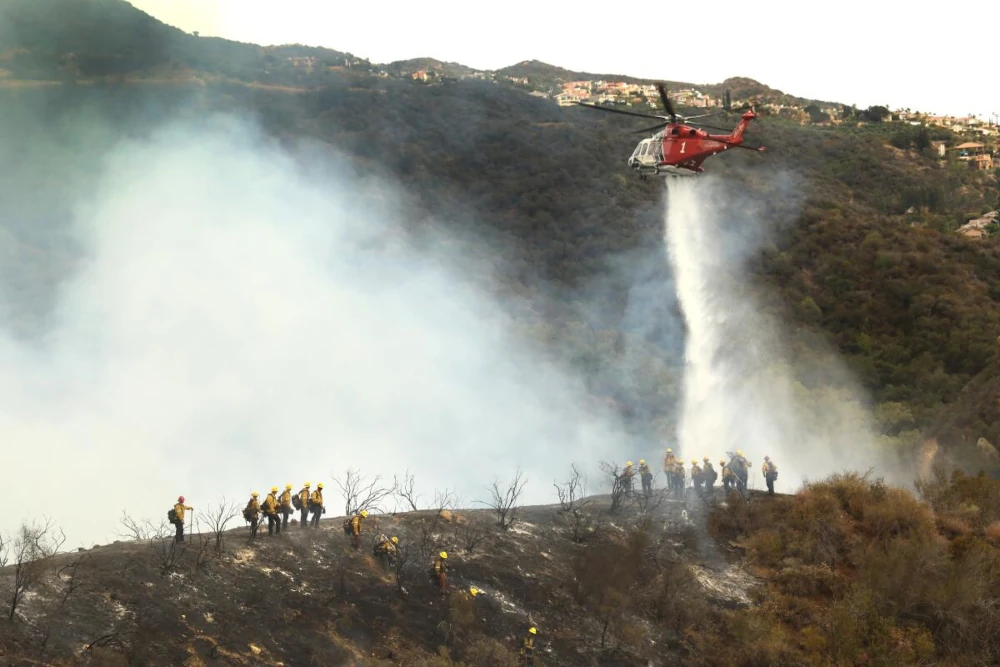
(816, 115)
(360, 495)
(33, 545)
(504, 502)
(218, 517)
(876, 114)
(405, 491)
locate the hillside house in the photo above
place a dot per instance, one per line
(972, 232)
(940, 148)
(975, 154)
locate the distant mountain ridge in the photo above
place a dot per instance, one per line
(60, 39)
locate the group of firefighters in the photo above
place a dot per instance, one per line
(703, 477)
(278, 507)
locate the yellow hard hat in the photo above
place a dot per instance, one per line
(669, 451)
(274, 489)
(364, 513)
(443, 554)
(395, 540)
(722, 462)
(307, 485)
(254, 494)
(704, 458)
(642, 462)
(739, 452)
(532, 630)
(629, 464)
(320, 485)
(474, 591)
(694, 462)
(288, 487)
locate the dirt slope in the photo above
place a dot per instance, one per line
(306, 598)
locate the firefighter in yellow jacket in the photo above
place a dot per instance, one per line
(316, 505)
(669, 463)
(696, 476)
(357, 523)
(441, 570)
(728, 478)
(270, 508)
(285, 505)
(178, 519)
(770, 472)
(252, 514)
(304, 505)
(646, 475)
(709, 475)
(385, 549)
(528, 646)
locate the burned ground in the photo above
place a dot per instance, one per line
(307, 598)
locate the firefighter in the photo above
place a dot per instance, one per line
(271, 512)
(528, 646)
(385, 549)
(178, 519)
(709, 475)
(357, 522)
(668, 467)
(316, 504)
(679, 481)
(252, 514)
(727, 476)
(647, 478)
(770, 471)
(304, 505)
(285, 505)
(741, 468)
(627, 474)
(696, 476)
(440, 570)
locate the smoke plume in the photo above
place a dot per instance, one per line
(238, 321)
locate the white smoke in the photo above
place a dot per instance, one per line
(742, 386)
(238, 322)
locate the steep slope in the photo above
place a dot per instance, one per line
(306, 598)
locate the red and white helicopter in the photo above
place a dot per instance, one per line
(680, 146)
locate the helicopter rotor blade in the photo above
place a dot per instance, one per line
(651, 129)
(621, 111)
(666, 101)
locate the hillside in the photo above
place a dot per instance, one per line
(848, 568)
(911, 307)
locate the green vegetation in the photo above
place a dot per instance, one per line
(859, 572)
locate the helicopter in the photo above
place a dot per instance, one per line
(680, 146)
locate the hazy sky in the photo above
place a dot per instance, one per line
(853, 52)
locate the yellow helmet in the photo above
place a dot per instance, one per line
(254, 494)
(364, 513)
(474, 591)
(739, 452)
(274, 489)
(288, 487)
(722, 462)
(705, 459)
(694, 462)
(307, 485)
(669, 451)
(642, 462)
(532, 630)
(320, 485)
(443, 554)
(628, 465)
(395, 540)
